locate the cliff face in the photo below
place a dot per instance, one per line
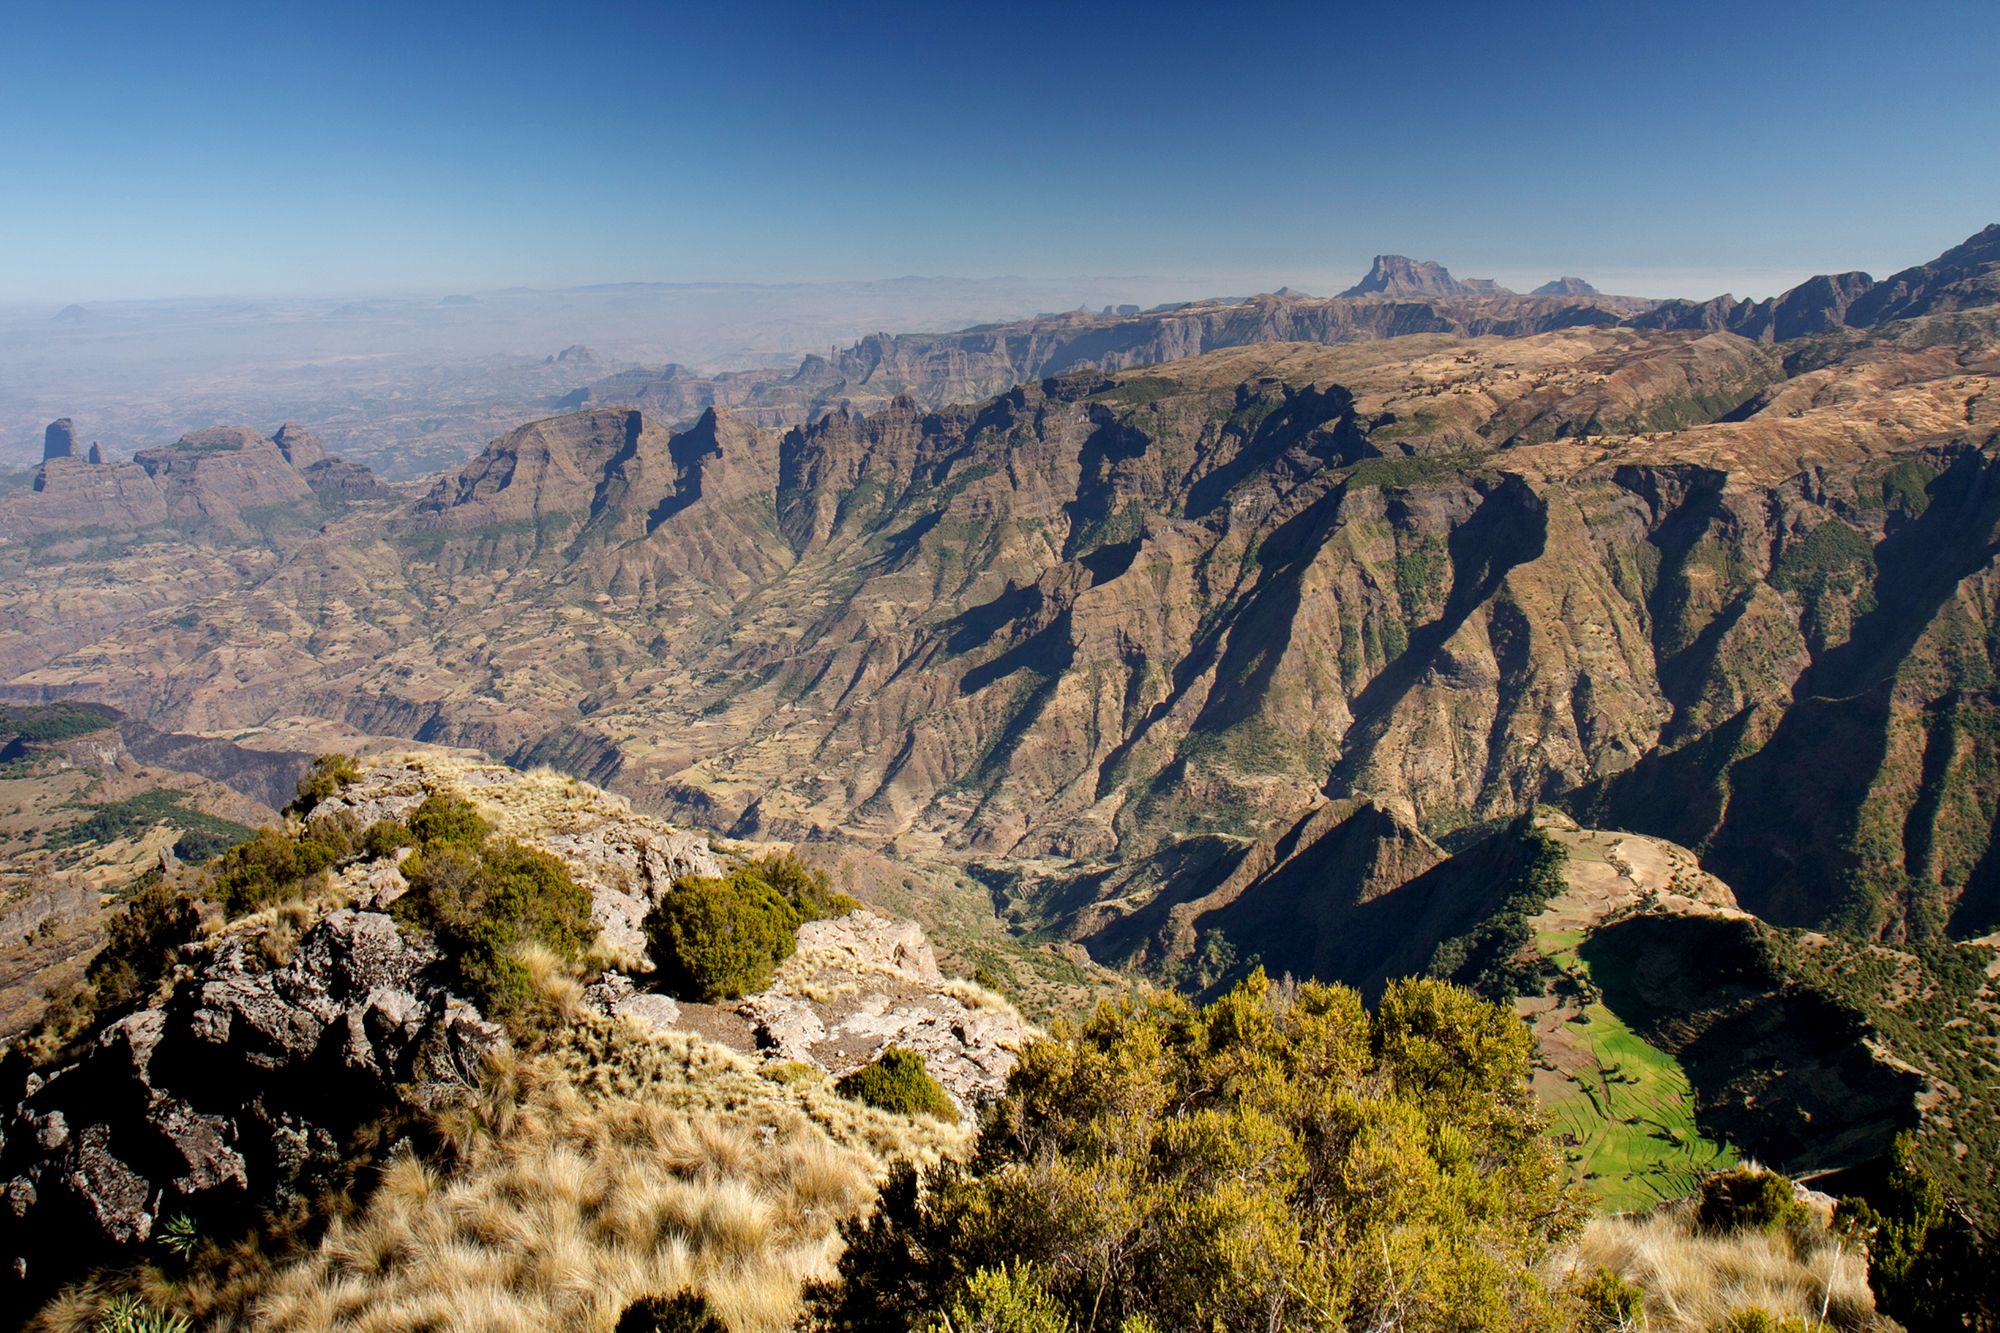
(935, 369)
(229, 484)
(1965, 277)
(1652, 574)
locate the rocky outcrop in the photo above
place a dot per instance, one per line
(96, 454)
(1965, 277)
(59, 440)
(626, 860)
(240, 1090)
(227, 484)
(300, 446)
(857, 985)
(1397, 275)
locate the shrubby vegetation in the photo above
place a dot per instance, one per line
(484, 900)
(328, 774)
(1279, 1159)
(141, 942)
(1485, 957)
(1928, 1267)
(275, 867)
(718, 938)
(898, 1081)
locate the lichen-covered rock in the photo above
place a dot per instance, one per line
(626, 860)
(857, 985)
(238, 1091)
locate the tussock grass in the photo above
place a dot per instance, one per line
(1694, 1280)
(609, 1167)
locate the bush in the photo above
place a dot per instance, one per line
(719, 939)
(272, 868)
(384, 836)
(1748, 1200)
(683, 1312)
(1610, 1303)
(1279, 1159)
(328, 774)
(444, 820)
(141, 943)
(1927, 1265)
(807, 888)
(484, 904)
(898, 1081)
(1003, 1300)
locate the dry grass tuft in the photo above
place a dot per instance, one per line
(627, 1167)
(1694, 1281)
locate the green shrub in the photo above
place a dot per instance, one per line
(445, 820)
(141, 943)
(683, 1312)
(273, 868)
(328, 774)
(807, 888)
(1610, 1304)
(1002, 1300)
(483, 904)
(1928, 1267)
(898, 1081)
(719, 939)
(1278, 1159)
(384, 836)
(1747, 1200)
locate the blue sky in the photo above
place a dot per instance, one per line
(198, 148)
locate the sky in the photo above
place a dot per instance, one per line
(152, 149)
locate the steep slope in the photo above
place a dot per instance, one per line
(936, 369)
(1099, 614)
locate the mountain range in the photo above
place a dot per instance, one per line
(1233, 629)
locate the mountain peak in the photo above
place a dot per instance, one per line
(1399, 275)
(1565, 287)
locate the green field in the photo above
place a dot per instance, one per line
(1630, 1133)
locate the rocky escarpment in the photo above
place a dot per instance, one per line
(1965, 277)
(236, 1093)
(936, 369)
(1101, 615)
(227, 484)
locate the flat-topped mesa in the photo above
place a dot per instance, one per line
(1399, 275)
(229, 481)
(59, 439)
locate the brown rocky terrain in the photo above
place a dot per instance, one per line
(280, 1039)
(1102, 613)
(937, 369)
